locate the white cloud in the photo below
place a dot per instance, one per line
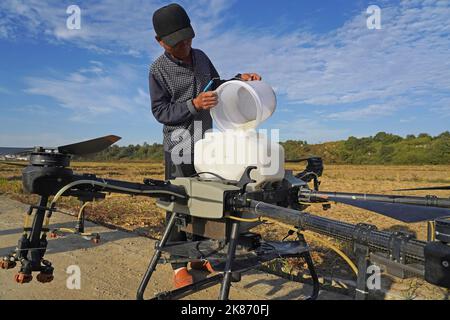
(35, 139)
(409, 56)
(93, 91)
(310, 130)
(368, 112)
(3, 32)
(109, 26)
(348, 66)
(34, 109)
(443, 108)
(4, 91)
(409, 119)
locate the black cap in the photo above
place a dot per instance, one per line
(172, 24)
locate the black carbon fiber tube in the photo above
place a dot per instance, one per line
(132, 188)
(374, 239)
(421, 201)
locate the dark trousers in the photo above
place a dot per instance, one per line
(173, 171)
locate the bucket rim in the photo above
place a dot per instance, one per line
(252, 92)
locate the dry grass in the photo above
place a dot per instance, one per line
(139, 213)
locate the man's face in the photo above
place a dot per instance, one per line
(181, 50)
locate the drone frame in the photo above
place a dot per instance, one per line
(48, 175)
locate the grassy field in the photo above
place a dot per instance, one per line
(142, 215)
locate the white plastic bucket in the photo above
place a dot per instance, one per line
(243, 105)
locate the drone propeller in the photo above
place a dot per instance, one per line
(18, 164)
(6, 150)
(89, 146)
(78, 149)
(426, 188)
(402, 208)
(403, 212)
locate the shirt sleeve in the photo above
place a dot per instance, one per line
(166, 111)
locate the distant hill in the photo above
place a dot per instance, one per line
(383, 148)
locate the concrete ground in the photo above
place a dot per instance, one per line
(113, 268)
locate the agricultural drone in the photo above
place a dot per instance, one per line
(224, 212)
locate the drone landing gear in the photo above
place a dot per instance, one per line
(33, 243)
(31, 247)
(241, 253)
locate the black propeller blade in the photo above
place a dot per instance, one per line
(18, 164)
(79, 148)
(403, 208)
(89, 146)
(11, 151)
(426, 188)
(403, 212)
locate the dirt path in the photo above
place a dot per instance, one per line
(113, 268)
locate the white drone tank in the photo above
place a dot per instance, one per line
(241, 108)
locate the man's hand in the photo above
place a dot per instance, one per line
(250, 77)
(205, 100)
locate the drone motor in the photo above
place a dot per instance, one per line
(47, 173)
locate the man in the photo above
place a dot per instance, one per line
(181, 100)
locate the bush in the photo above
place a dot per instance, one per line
(383, 148)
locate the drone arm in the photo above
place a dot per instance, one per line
(399, 247)
(158, 189)
(373, 238)
(93, 184)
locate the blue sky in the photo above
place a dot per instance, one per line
(333, 76)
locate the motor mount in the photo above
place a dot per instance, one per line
(47, 173)
(53, 159)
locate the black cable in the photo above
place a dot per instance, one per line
(211, 173)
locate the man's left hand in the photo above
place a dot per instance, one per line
(250, 77)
